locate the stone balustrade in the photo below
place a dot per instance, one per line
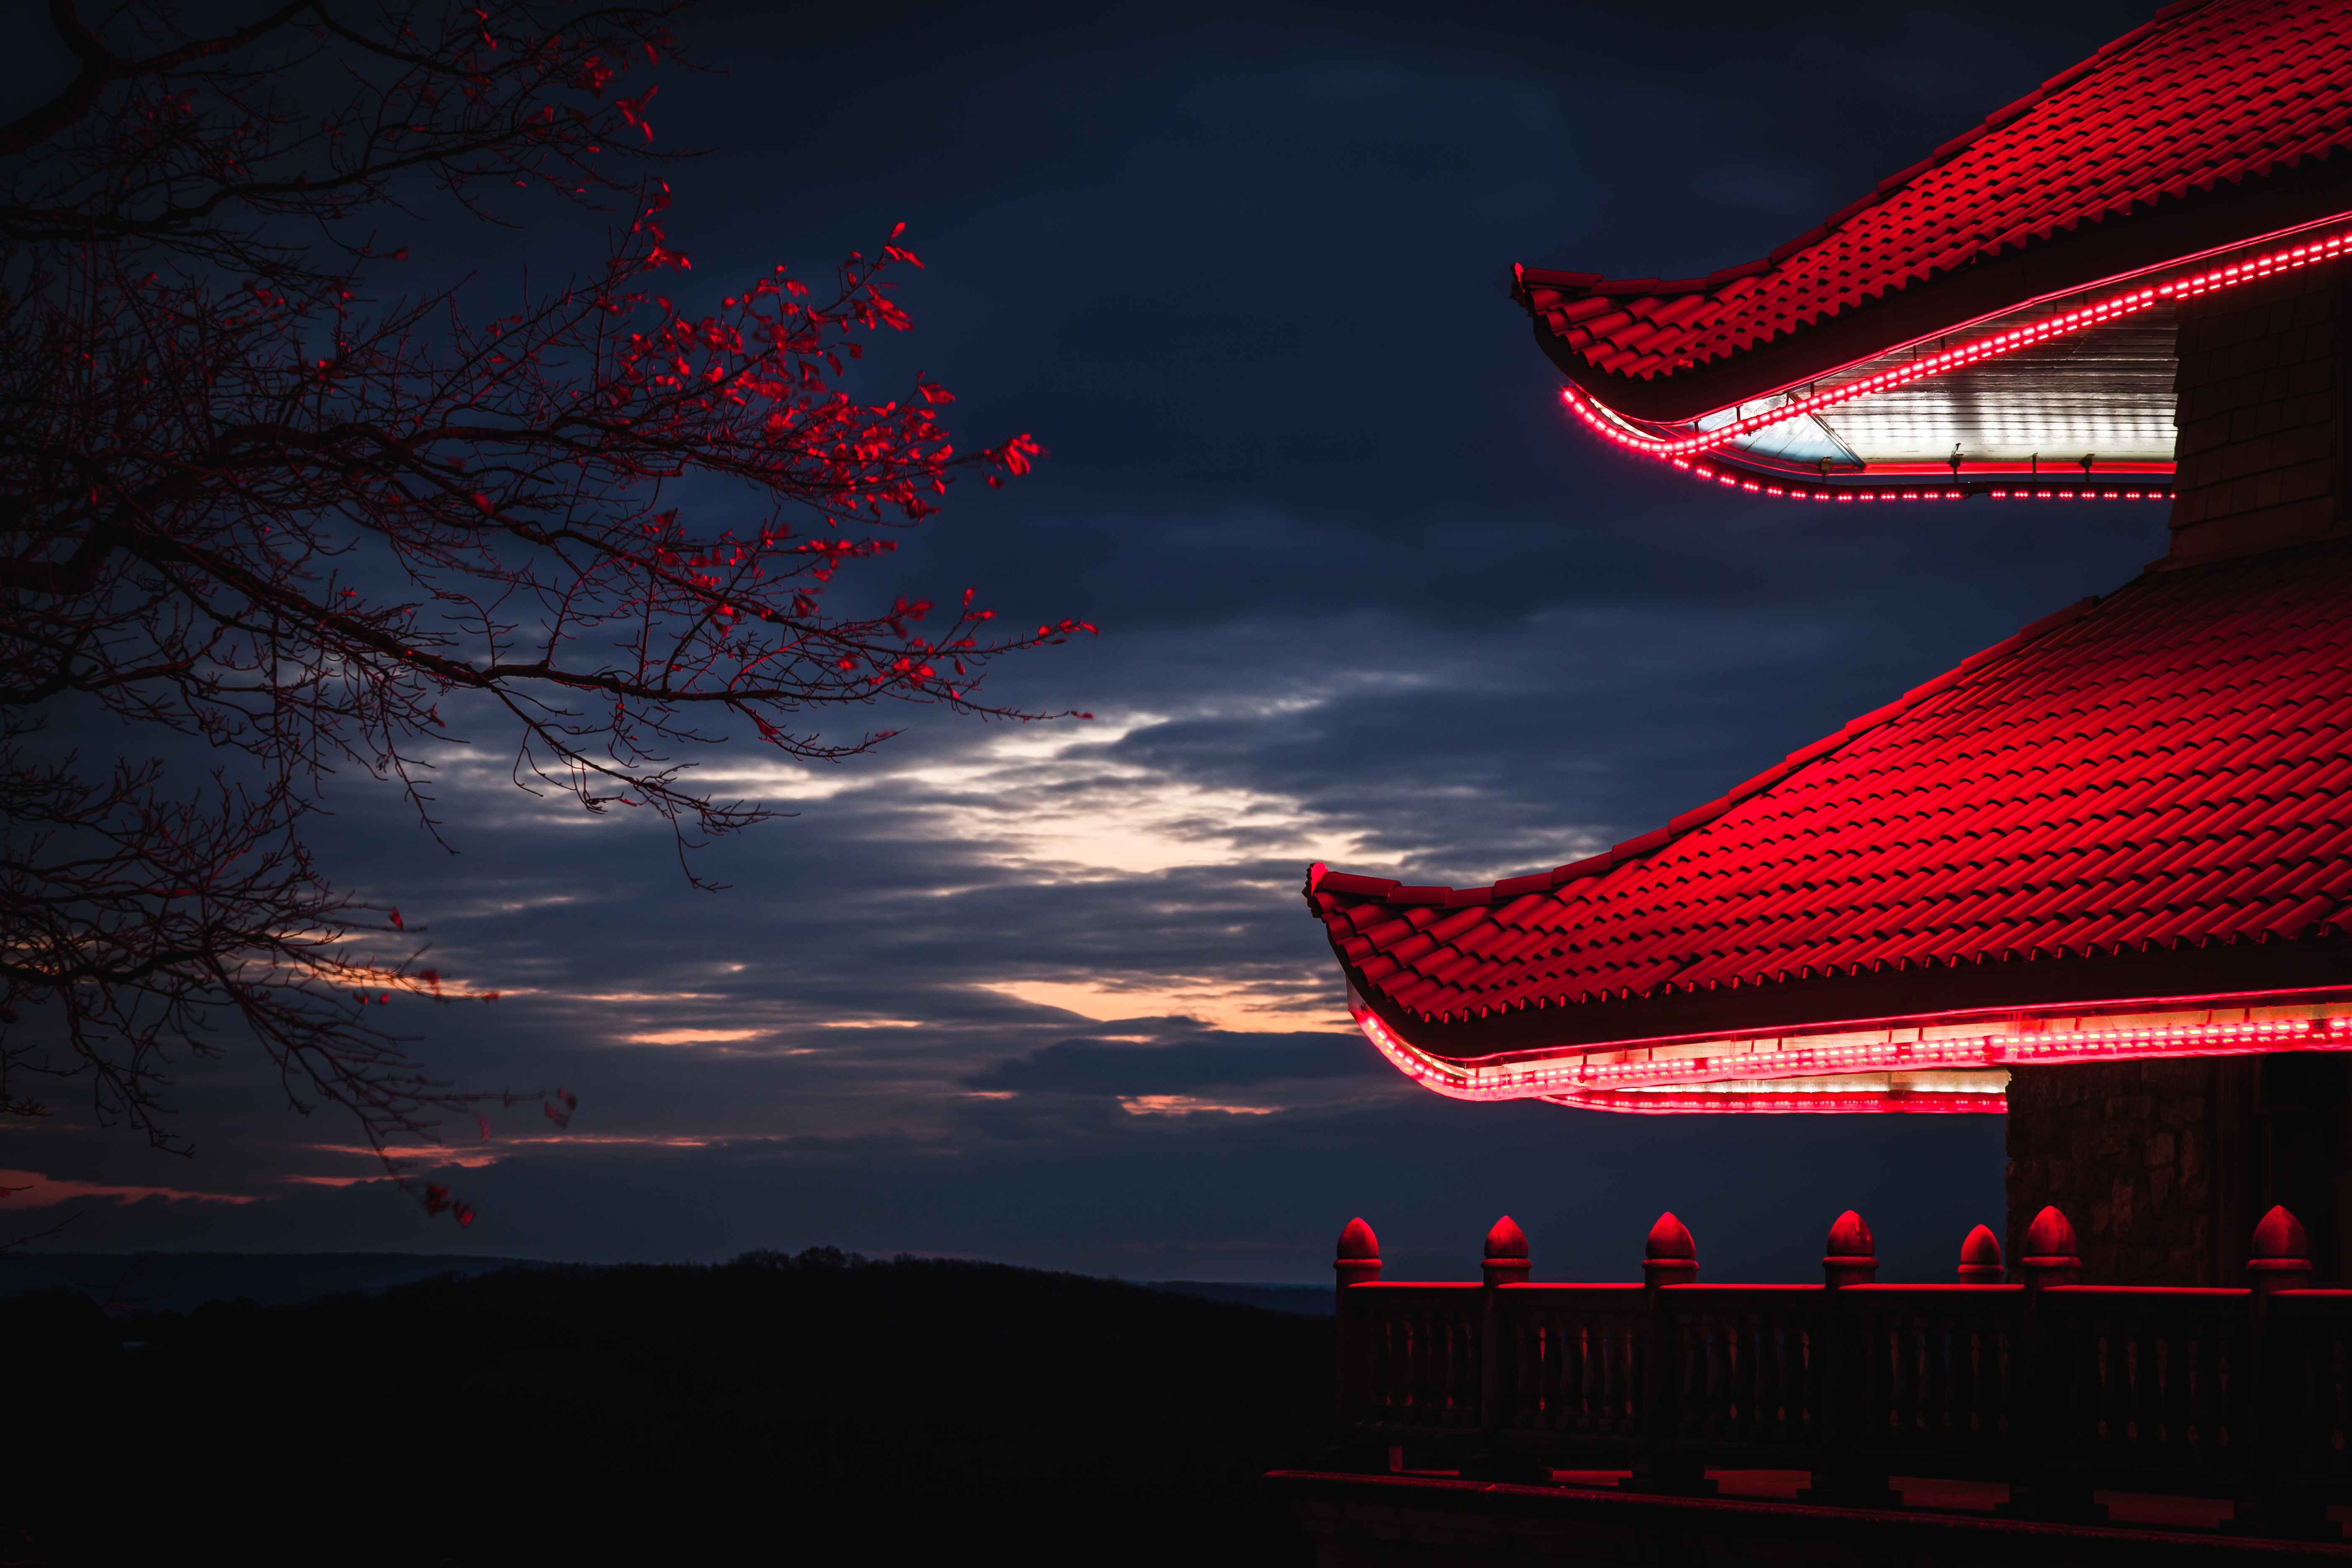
(2018, 1375)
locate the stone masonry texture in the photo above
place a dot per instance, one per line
(2126, 1151)
(2259, 415)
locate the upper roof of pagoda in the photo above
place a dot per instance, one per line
(2217, 123)
(2145, 796)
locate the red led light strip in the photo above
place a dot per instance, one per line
(2031, 490)
(1605, 422)
(1632, 1086)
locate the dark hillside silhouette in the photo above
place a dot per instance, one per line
(180, 1281)
(818, 1408)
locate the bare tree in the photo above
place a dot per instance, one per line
(248, 508)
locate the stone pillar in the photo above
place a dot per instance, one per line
(2260, 409)
(2129, 1150)
(2164, 1166)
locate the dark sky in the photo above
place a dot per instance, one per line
(1047, 994)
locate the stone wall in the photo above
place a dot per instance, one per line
(2259, 414)
(2138, 1155)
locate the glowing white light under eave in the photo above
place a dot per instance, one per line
(2105, 391)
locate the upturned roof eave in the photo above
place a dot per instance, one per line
(2175, 230)
(2145, 798)
(2215, 973)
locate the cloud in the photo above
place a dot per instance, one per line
(1188, 1105)
(695, 1037)
(1218, 1003)
(1184, 1067)
(32, 1190)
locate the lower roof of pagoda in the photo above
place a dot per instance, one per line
(2144, 797)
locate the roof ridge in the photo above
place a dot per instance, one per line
(1389, 890)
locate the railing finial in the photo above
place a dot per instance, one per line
(1669, 1257)
(1980, 1258)
(1359, 1254)
(1851, 1256)
(2282, 1259)
(2050, 1250)
(1507, 1253)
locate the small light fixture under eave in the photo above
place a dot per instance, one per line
(1927, 1069)
(1906, 424)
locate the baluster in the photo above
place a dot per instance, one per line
(1878, 1372)
(1441, 1352)
(2302, 1378)
(1383, 1396)
(2205, 1392)
(1592, 1375)
(1958, 1393)
(2005, 1413)
(1904, 1344)
(1690, 1337)
(1447, 1365)
(1600, 1375)
(1744, 1336)
(1544, 1337)
(2149, 1370)
(1801, 1390)
(1548, 1361)
(1715, 1407)
(1938, 1336)
(2232, 1386)
(2174, 1410)
(1415, 1329)
(1580, 1393)
(2100, 1341)
(1390, 1372)
(1397, 1373)
(1786, 1406)
(2319, 1397)
(1996, 1367)
(2216, 1388)
(1522, 1400)
(2338, 1459)
(1616, 1366)
(1400, 1377)
(1764, 1391)
(1434, 1348)
(2192, 1368)
(1396, 1369)
(1462, 1379)
(1568, 1375)
(1424, 1374)
(1402, 1370)
(2114, 1385)
(1629, 1411)
(1473, 1371)
(1988, 1382)
(1599, 1358)
(1538, 1349)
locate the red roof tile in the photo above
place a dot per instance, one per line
(2060, 818)
(2216, 97)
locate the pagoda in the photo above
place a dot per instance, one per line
(2097, 877)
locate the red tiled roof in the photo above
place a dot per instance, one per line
(2093, 808)
(2210, 96)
